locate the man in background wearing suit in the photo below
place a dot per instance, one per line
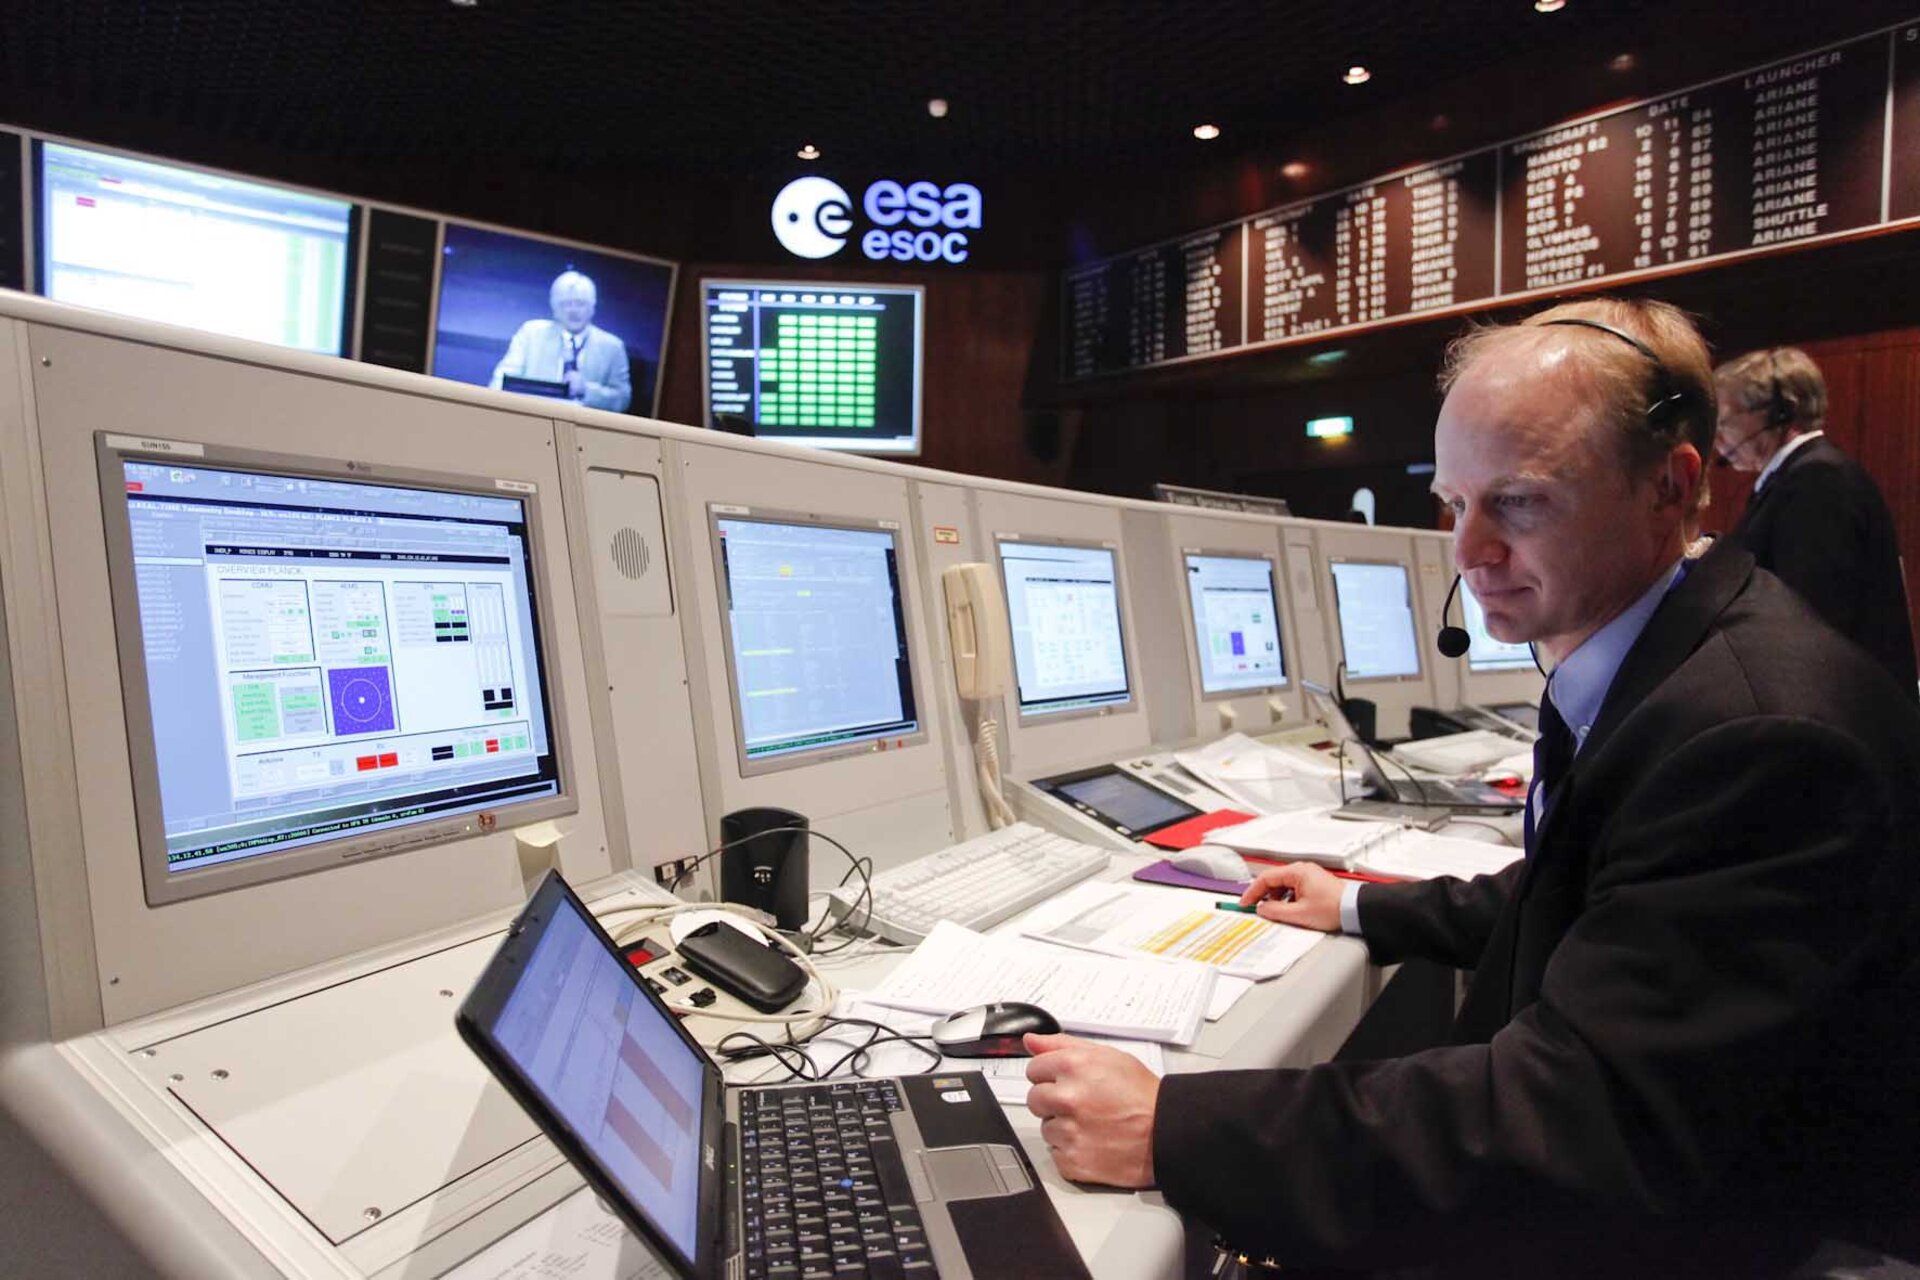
(1689, 1045)
(569, 349)
(1815, 519)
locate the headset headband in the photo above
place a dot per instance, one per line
(1670, 400)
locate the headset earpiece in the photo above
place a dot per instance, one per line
(1780, 409)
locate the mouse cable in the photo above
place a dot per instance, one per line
(792, 1056)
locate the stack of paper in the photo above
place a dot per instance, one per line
(1260, 777)
(1376, 848)
(956, 968)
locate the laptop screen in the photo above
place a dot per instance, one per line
(611, 1064)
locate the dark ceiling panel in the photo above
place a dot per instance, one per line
(721, 89)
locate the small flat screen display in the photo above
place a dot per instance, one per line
(326, 659)
(1374, 602)
(1236, 623)
(1063, 606)
(1122, 800)
(609, 1063)
(827, 365)
(161, 242)
(1486, 653)
(544, 318)
(817, 635)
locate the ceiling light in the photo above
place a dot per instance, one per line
(1295, 169)
(1357, 74)
(1206, 132)
(1625, 62)
(466, 4)
(1325, 358)
(1549, 6)
(808, 152)
(937, 108)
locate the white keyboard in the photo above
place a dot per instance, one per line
(977, 883)
(1459, 753)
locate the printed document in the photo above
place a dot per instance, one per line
(956, 968)
(1125, 920)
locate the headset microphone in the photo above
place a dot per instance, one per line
(1452, 641)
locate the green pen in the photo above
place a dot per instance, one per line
(1234, 906)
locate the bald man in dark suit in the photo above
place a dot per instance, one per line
(1689, 1045)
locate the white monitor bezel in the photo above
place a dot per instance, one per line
(1129, 667)
(1419, 671)
(1274, 579)
(163, 887)
(903, 573)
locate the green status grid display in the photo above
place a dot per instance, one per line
(819, 372)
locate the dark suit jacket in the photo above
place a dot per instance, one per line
(1821, 526)
(1690, 1039)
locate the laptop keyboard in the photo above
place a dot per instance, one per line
(824, 1191)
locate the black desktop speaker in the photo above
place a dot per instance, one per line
(764, 864)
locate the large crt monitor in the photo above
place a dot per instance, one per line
(321, 666)
(1374, 604)
(1486, 653)
(1236, 624)
(162, 242)
(829, 365)
(550, 318)
(1063, 607)
(816, 635)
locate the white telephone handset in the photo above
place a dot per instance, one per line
(982, 667)
(977, 629)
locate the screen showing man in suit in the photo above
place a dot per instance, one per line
(1687, 1045)
(1815, 517)
(550, 318)
(582, 362)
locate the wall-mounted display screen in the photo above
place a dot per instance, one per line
(182, 246)
(828, 365)
(1374, 602)
(1063, 607)
(546, 318)
(1236, 623)
(1486, 653)
(816, 635)
(320, 666)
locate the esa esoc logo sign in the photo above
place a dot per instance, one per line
(921, 222)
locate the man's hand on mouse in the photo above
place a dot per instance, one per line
(1300, 893)
(1096, 1108)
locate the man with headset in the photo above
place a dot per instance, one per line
(1815, 519)
(1689, 1043)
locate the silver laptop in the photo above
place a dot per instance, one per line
(1411, 792)
(907, 1176)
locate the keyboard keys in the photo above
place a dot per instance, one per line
(977, 883)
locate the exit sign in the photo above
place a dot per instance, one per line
(1328, 428)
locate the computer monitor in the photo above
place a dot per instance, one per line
(1063, 607)
(1236, 624)
(551, 318)
(815, 616)
(1373, 600)
(165, 242)
(835, 366)
(321, 664)
(1486, 653)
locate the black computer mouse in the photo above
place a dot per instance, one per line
(992, 1030)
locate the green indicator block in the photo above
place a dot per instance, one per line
(255, 715)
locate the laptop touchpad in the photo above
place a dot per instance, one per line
(971, 1173)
